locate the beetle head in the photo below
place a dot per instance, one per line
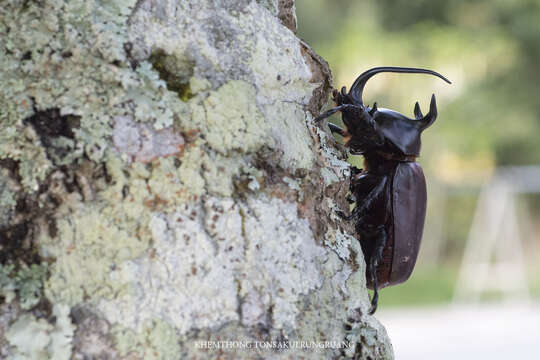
(362, 131)
(370, 128)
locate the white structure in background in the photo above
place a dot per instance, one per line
(493, 258)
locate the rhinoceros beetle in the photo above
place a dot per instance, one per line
(390, 193)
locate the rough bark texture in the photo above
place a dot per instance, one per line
(162, 182)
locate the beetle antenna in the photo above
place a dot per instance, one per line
(358, 86)
(333, 111)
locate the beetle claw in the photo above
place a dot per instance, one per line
(374, 303)
(375, 298)
(355, 171)
(336, 97)
(342, 215)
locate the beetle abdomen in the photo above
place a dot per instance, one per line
(409, 212)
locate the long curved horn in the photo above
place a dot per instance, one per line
(358, 86)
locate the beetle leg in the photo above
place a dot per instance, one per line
(367, 201)
(351, 198)
(372, 196)
(356, 213)
(355, 171)
(374, 260)
(342, 215)
(337, 129)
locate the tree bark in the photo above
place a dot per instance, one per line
(162, 185)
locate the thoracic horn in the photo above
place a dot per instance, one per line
(358, 86)
(373, 109)
(417, 112)
(430, 117)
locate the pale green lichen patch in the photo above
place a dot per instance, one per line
(220, 174)
(7, 284)
(22, 145)
(233, 121)
(149, 97)
(198, 85)
(8, 188)
(88, 247)
(25, 282)
(35, 339)
(156, 341)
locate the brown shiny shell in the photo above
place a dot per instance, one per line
(408, 201)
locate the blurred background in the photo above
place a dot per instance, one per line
(477, 274)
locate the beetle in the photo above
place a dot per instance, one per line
(390, 193)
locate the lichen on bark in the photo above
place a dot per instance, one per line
(159, 160)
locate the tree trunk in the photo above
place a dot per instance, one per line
(163, 185)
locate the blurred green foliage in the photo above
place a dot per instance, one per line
(429, 285)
